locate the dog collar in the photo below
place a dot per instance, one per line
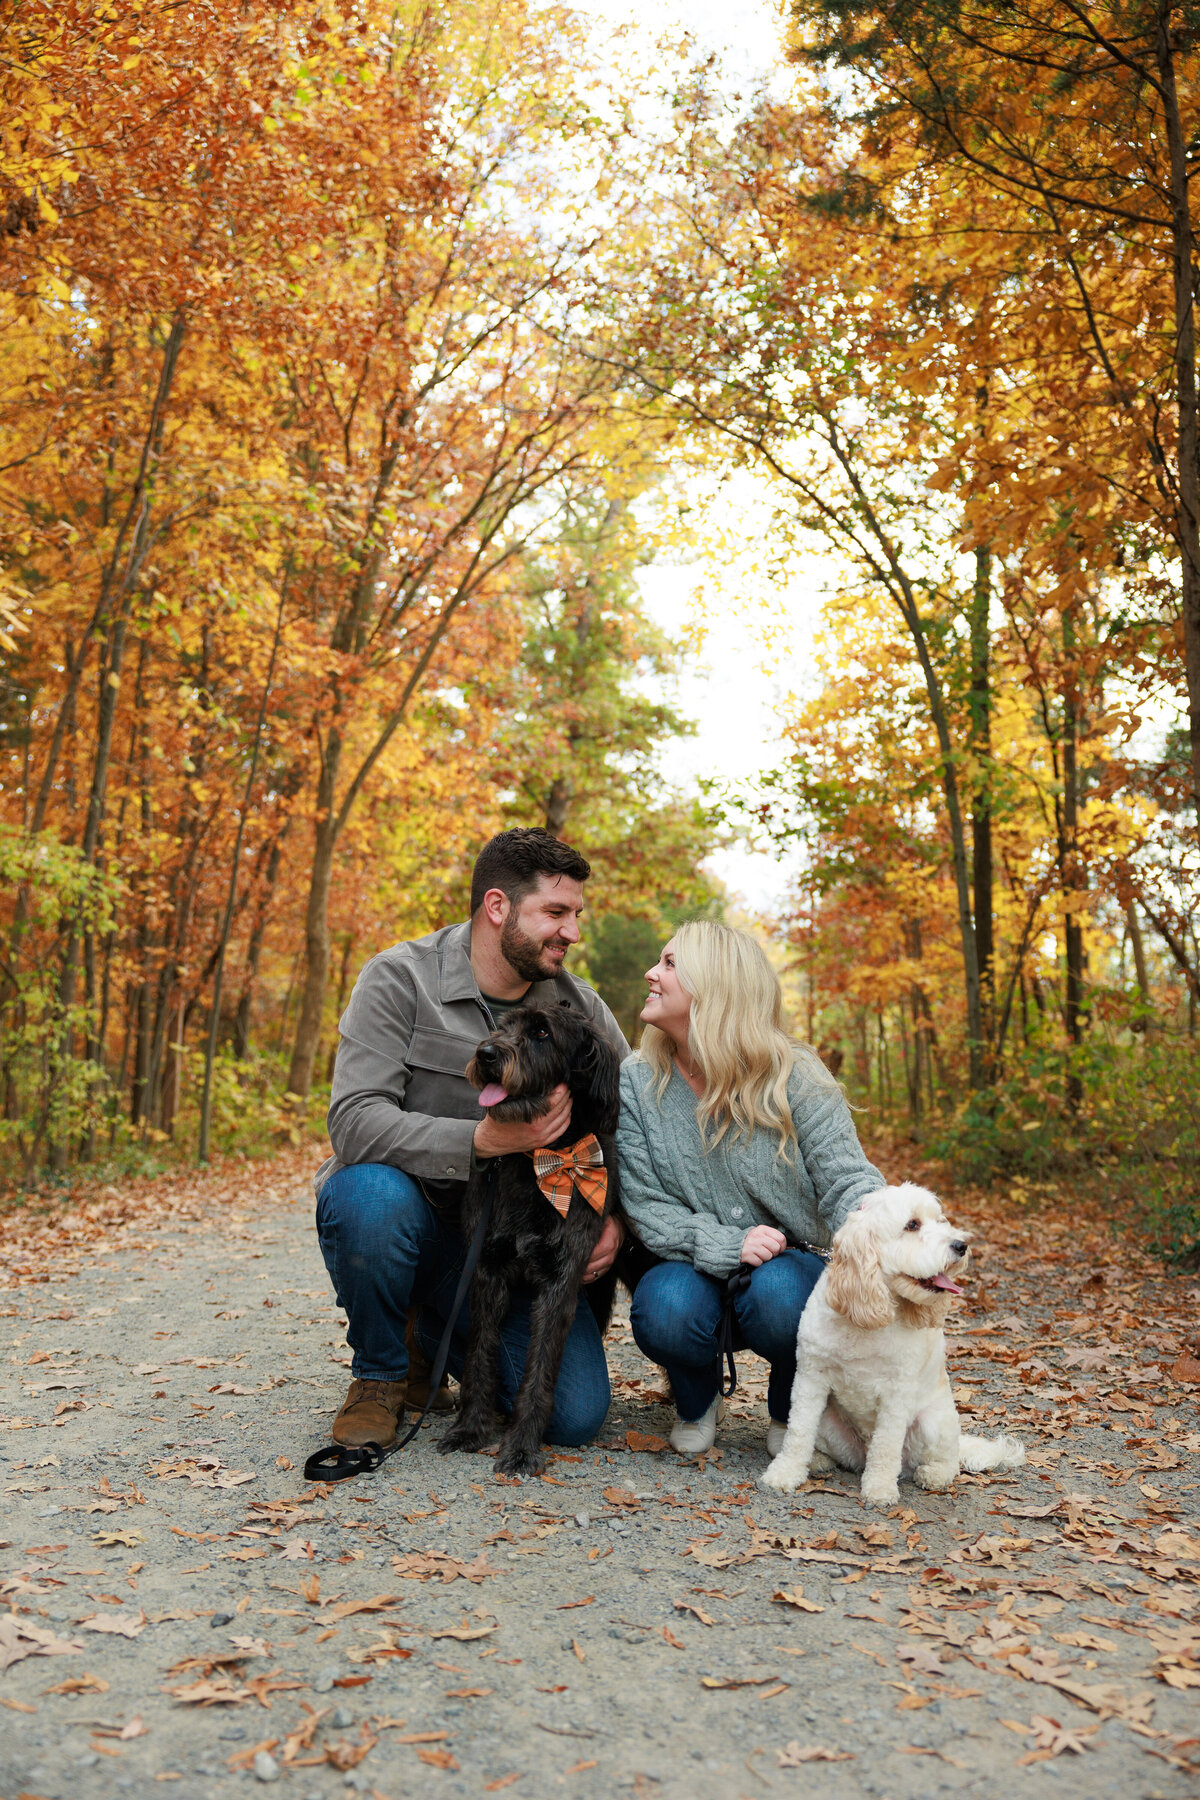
(580, 1165)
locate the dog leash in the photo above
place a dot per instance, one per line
(736, 1284)
(340, 1462)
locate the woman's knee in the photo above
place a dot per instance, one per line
(674, 1313)
(769, 1311)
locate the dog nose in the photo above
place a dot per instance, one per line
(959, 1246)
(487, 1054)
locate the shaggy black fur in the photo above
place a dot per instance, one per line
(527, 1242)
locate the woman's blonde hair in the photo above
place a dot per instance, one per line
(736, 1036)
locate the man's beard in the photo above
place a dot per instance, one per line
(524, 954)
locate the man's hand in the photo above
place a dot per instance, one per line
(495, 1139)
(607, 1245)
(761, 1243)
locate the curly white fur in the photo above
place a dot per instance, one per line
(871, 1390)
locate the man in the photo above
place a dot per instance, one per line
(406, 1130)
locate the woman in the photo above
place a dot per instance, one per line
(736, 1147)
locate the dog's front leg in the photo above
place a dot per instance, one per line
(790, 1467)
(935, 1440)
(881, 1476)
(489, 1304)
(550, 1317)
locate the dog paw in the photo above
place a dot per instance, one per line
(462, 1437)
(519, 1462)
(781, 1476)
(935, 1477)
(881, 1493)
(821, 1464)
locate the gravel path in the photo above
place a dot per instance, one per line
(200, 1620)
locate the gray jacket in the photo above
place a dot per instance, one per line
(400, 1091)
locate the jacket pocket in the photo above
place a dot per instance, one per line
(441, 1051)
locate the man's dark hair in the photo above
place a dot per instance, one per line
(513, 860)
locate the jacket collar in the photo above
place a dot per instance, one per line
(458, 977)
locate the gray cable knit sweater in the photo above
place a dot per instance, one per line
(692, 1205)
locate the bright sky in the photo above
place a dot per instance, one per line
(757, 635)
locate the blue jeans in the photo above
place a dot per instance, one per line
(676, 1311)
(386, 1247)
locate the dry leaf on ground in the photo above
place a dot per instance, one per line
(793, 1755)
(124, 1624)
(19, 1639)
(795, 1597)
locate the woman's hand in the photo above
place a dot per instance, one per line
(761, 1243)
(607, 1245)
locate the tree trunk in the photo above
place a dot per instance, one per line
(558, 805)
(241, 1024)
(1188, 480)
(214, 1024)
(1073, 881)
(912, 1074)
(348, 943)
(981, 798)
(1138, 945)
(316, 926)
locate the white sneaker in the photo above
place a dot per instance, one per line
(776, 1432)
(693, 1437)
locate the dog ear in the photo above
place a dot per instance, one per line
(596, 1073)
(856, 1288)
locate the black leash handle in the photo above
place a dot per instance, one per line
(339, 1462)
(736, 1284)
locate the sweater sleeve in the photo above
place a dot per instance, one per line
(666, 1224)
(837, 1164)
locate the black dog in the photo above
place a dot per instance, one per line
(527, 1241)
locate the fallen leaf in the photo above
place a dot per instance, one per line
(736, 1681)
(126, 1624)
(439, 1759)
(621, 1497)
(645, 1442)
(697, 1612)
(19, 1639)
(793, 1755)
(568, 1605)
(79, 1684)
(210, 1693)
(134, 1729)
(465, 1634)
(795, 1597)
(1051, 1739)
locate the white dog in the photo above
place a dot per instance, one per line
(871, 1390)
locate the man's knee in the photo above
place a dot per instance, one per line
(579, 1418)
(368, 1211)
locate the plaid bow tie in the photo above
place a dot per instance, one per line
(579, 1166)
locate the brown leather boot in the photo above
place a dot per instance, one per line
(371, 1414)
(419, 1370)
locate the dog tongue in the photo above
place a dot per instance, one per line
(944, 1282)
(492, 1094)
